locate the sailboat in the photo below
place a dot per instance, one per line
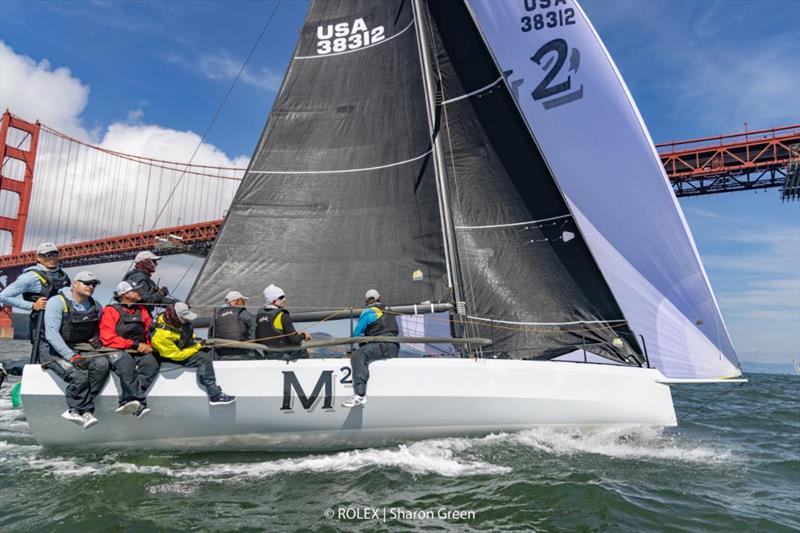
(476, 156)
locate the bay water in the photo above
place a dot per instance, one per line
(733, 464)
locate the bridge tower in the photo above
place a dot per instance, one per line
(23, 156)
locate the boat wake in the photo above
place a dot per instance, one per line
(630, 442)
(447, 457)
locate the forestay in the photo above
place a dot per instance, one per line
(595, 142)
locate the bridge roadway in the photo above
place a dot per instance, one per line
(743, 161)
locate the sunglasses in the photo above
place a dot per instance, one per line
(50, 255)
(91, 284)
(281, 298)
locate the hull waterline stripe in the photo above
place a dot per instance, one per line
(477, 91)
(343, 171)
(358, 49)
(515, 223)
(577, 322)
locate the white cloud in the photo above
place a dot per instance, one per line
(135, 115)
(220, 66)
(87, 181)
(165, 143)
(37, 91)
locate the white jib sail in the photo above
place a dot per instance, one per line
(594, 140)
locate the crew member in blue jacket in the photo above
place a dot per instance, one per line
(374, 321)
(31, 290)
(73, 317)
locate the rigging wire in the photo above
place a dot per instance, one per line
(712, 400)
(212, 122)
(219, 109)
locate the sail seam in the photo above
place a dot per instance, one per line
(512, 224)
(342, 171)
(574, 323)
(473, 93)
(358, 49)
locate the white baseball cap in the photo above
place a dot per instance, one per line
(147, 254)
(123, 287)
(86, 276)
(372, 293)
(184, 312)
(46, 248)
(235, 295)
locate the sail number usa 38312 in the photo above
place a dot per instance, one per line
(344, 36)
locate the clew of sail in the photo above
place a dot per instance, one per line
(593, 139)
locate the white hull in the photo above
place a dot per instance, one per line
(409, 399)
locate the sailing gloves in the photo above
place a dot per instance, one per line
(79, 362)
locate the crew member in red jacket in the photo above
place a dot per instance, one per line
(125, 325)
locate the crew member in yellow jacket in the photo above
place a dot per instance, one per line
(175, 341)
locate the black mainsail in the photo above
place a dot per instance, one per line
(342, 195)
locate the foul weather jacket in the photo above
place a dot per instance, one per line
(167, 340)
(109, 321)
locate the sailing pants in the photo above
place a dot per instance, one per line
(83, 386)
(36, 329)
(136, 374)
(201, 362)
(363, 356)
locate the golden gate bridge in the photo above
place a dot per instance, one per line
(100, 205)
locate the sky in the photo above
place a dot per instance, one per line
(147, 78)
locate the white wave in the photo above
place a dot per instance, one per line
(636, 442)
(427, 457)
(183, 488)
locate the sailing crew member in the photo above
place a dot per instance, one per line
(30, 292)
(234, 322)
(145, 264)
(73, 317)
(274, 327)
(373, 322)
(125, 325)
(175, 342)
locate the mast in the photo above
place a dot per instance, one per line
(451, 249)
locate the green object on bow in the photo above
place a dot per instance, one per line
(16, 399)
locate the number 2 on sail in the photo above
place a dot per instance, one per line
(544, 91)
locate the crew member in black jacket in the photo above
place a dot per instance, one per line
(145, 265)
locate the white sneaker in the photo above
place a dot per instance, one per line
(89, 420)
(128, 408)
(72, 416)
(355, 401)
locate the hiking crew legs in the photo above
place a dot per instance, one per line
(363, 356)
(136, 374)
(201, 362)
(83, 386)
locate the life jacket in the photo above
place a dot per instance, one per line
(131, 325)
(79, 326)
(228, 324)
(385, 325)
(186, 332)
(51, 283)
(269, 323)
